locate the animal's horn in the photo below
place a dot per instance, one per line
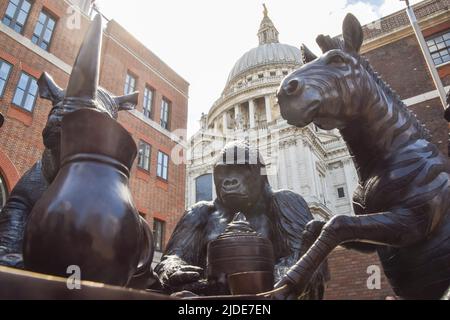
(83, 82)
(307, 55)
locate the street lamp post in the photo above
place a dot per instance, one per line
(426, 53)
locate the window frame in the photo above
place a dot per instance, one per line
(126, 88)
(162, 232)
(8, 76)
(148, 113)
(40, 38)
(210, 175)
(13, 20)
(25, 96)
(164, 156)
(149, 158)
(165, 123)
(446, 43)
(344, 195)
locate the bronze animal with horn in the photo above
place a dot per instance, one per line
(83, 91)
(402, 202)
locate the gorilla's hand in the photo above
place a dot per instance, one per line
(185, 274)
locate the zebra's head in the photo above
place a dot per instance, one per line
(327, 90)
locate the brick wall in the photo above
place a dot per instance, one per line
(21, 141)
(402, 65)
(348, 270)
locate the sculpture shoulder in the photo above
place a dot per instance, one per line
(288, 200)
(200, 212)
(293, 214)
(31, 185)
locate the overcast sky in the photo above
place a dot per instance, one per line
(202, 39)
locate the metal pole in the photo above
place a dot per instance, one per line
(426, 53)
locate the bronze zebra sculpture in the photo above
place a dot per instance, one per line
(402, 203)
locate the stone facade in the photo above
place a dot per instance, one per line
(21, 141)
(309, 161)
(313, 162)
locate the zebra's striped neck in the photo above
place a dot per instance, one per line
(383, 128)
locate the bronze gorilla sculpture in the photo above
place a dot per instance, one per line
(82, 90)
(402, 202)
(280, 216)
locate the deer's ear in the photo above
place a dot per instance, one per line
(352, 33)
(49, 90)
(307, 55)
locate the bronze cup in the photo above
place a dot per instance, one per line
(250, 283)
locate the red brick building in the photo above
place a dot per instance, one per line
(45, 35)
(394, 52)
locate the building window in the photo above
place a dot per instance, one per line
(130, 84)
(165, 109)
(5, 71)
(16, 14)
(260, 76)
(273, 73)
(43, 31)
(285, 73)
(144, 155)
(158, 234)
(249, 79)
(148, 102)
(163, 166)
(341, 193)
(439, 48)
(3, 192)
(26, 92)
(203, 188)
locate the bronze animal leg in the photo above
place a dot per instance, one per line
(396, 229)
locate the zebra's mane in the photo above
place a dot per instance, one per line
(402, 107)
(326, 43)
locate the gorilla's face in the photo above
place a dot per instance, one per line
(238, 186)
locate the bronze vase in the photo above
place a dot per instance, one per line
(87, 218)
(241, 260)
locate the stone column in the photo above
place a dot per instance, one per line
(268, 109)
(225, 122)
(216, 126)
(251, 113)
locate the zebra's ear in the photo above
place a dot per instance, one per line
(307, 55)
(352, 33)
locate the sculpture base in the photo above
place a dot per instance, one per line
(23, 285)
